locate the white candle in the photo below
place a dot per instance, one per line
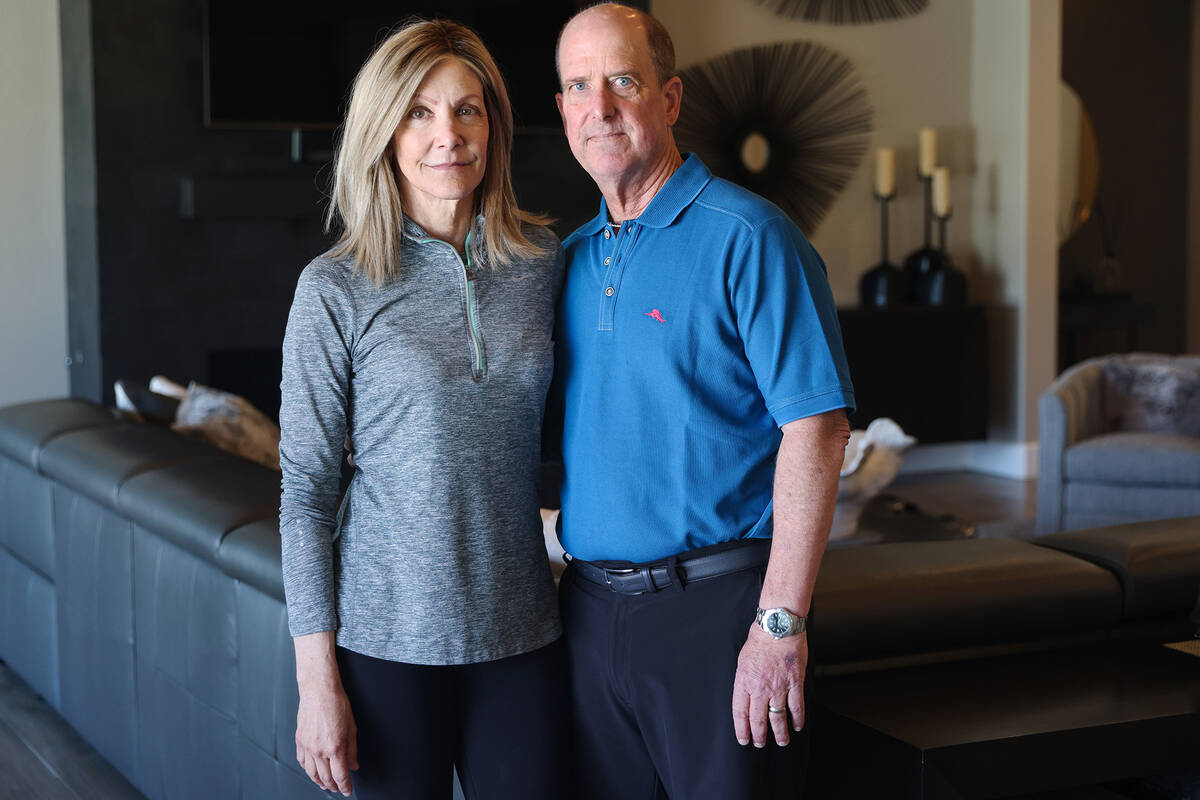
(927, 152)
(941, 192)
(885, 171)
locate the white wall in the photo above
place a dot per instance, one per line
(33, 315)
(1016, 68)
(916, 72)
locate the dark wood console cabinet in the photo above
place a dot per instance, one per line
(925, 367)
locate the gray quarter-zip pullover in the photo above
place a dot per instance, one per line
(440, 378)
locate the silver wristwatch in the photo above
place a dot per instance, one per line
(779, 622)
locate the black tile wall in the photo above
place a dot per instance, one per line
(181, 272)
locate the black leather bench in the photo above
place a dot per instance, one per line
(1157, 564)
(917, 602)
(153, 615)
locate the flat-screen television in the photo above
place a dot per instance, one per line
(291, 65)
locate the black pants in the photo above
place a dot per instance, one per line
(652, 686)
(502, 723)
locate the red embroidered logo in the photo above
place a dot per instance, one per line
(655, 315)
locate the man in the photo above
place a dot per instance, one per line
(704, 391)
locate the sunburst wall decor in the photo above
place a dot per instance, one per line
(845, 12)
(789, 121)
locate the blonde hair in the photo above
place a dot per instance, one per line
(366, 193)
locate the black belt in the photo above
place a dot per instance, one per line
(677, 571)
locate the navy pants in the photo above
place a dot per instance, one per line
(501, 723)
(652, 687)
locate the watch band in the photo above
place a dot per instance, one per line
(768, 619)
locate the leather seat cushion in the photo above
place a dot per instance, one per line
(25, 427)
(914, 597)
(96, 461)
(195, 503)
(1158, 563)
(252, 553)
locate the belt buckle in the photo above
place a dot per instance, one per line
(645, 572)
(607, 572)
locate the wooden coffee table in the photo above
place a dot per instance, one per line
(1007, 726)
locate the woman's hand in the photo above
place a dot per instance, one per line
(326, 737)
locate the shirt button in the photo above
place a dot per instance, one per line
(608, 261)
(608, 292)
(607, 233)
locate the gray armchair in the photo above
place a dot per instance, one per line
(1118, 442)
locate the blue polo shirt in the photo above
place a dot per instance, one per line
(684, 342)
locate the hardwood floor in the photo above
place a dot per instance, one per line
(996, 506)
(43, 758)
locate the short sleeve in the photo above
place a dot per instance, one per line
(788, 323)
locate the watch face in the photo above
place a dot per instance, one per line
(778, 623)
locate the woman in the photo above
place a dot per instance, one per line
(424, 619)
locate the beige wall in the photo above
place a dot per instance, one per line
(985, 74)
(917, 73)
(33, 322)
(1039, 308)
(1014, 99)
(999, 107)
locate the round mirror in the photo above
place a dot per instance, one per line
(756, 152)
(1078, 164)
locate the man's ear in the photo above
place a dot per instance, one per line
(558, 98)
(673, 94)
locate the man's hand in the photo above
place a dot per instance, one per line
(770, 672)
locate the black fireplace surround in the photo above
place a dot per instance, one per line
(141, 596)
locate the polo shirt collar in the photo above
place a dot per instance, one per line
(675, 195)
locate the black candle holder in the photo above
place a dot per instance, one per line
(885, 284)
(924, 260)
(942, 284)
